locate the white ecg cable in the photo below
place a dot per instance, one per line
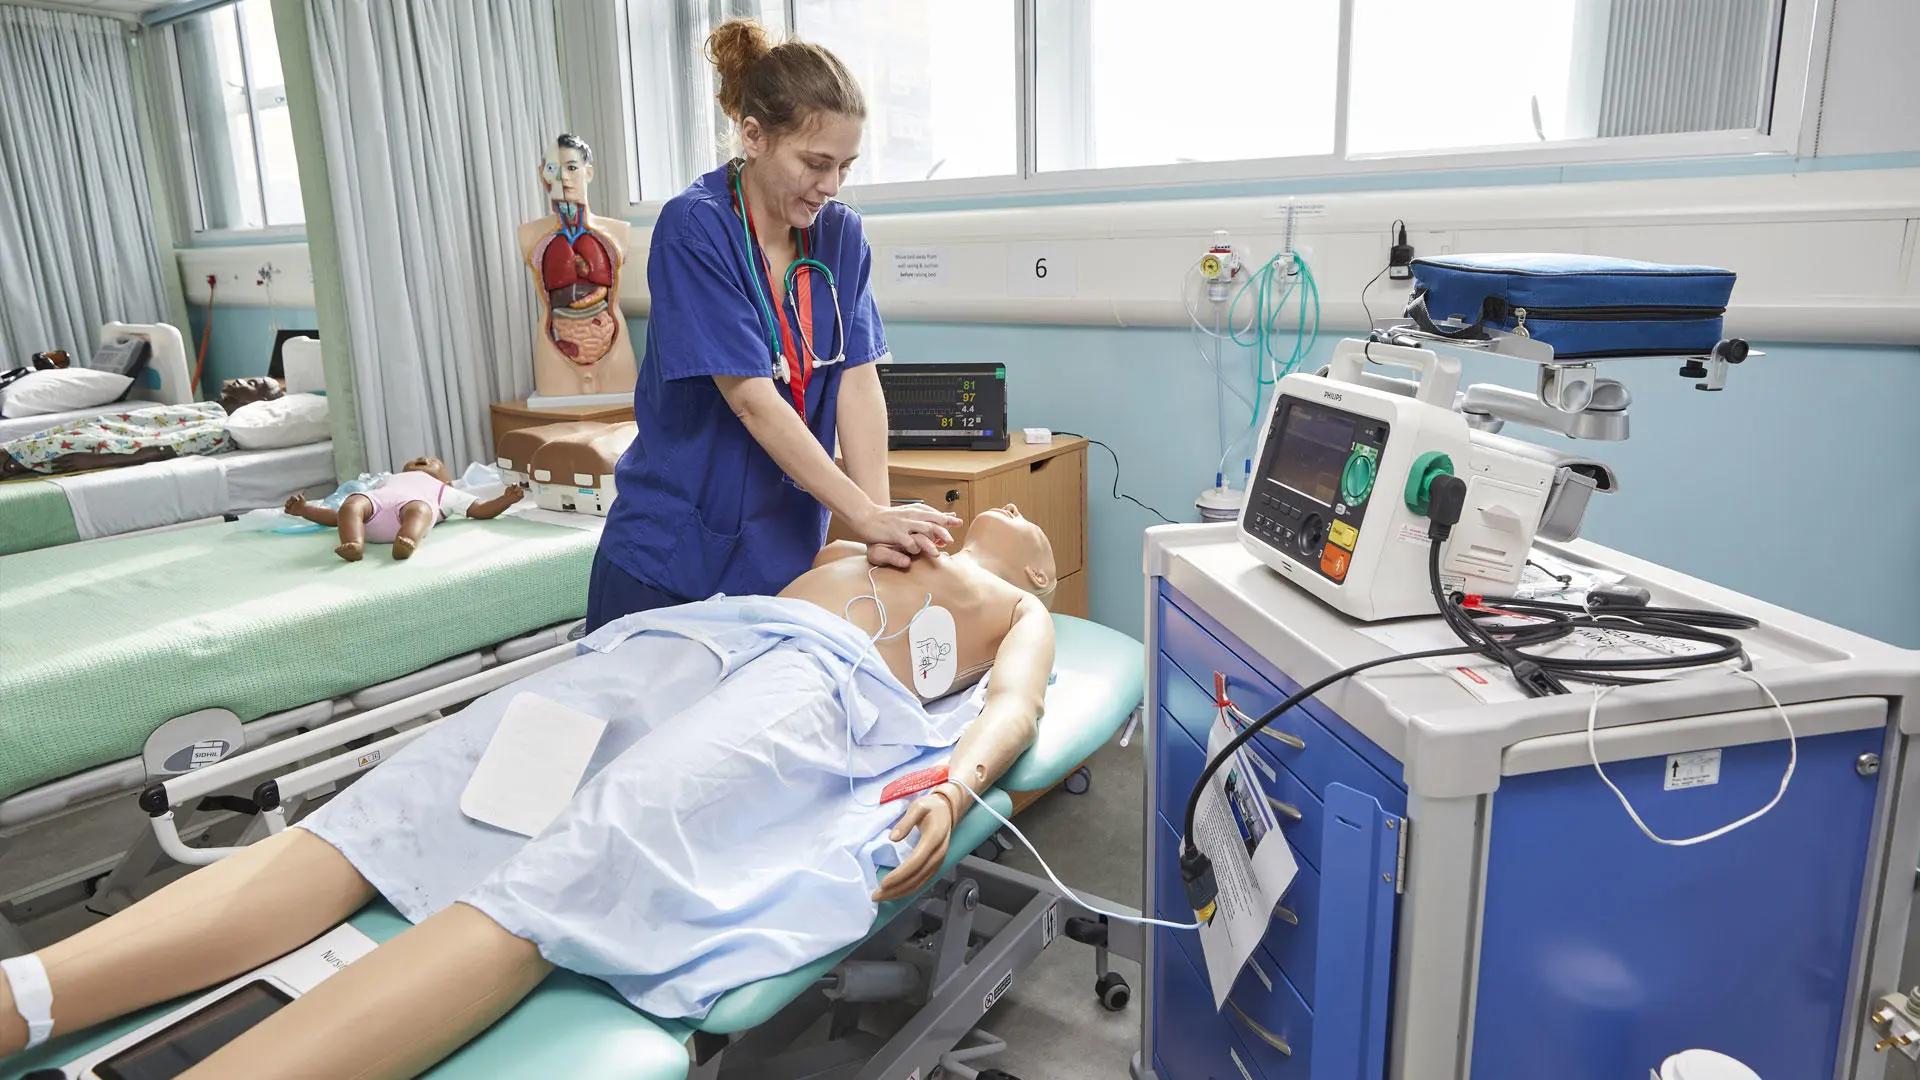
(1793, 758)
(1057, 883)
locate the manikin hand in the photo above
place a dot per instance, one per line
(294, 503)
(933, 814)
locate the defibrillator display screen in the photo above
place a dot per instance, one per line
(1314, 444)
(180, 1046)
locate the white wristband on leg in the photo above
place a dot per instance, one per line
(32, 996)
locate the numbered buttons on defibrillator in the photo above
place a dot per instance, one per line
(1356, 480)
(1343, 534)
(1334, 562)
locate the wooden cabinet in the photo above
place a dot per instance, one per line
(1047, 482)
(514, 415)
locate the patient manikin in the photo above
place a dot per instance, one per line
(657, 870)
(400, 509)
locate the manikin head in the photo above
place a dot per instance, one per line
(566, 169)
(800, 116)
(432, 466)
(1013, 549)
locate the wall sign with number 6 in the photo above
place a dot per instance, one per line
(1041, 269)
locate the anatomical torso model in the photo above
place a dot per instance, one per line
(582, 345)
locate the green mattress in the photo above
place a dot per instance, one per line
(101, 643)
(34, 514)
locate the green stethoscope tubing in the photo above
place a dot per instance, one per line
(793, 270)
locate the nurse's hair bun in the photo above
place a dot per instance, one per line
(781, 85)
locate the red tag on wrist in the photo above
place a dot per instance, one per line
(914, 783)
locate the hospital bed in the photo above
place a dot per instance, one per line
(44, 512)
(50, 511)
(165, 381)
(949, 953)
(131, 658)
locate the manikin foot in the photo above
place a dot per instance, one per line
(352, 552)
(403, 547)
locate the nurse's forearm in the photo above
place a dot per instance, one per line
(863, 432)
(771, 420)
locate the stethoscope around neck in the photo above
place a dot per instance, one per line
(789, 303)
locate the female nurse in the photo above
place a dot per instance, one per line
(759, 357)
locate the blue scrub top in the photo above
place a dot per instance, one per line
(702, 508)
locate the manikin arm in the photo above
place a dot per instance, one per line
(1005, 728)
(497, 505)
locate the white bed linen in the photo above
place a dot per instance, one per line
(263, 478)
(118, 501)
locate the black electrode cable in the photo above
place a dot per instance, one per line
(1117, 494)
(1537, 675)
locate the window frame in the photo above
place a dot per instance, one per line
(1798, 52)
(168, 83)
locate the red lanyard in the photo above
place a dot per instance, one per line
(798, 360)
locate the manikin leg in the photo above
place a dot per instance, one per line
(209, 926)
(415, 519)
(393, 1013)
(354, 512)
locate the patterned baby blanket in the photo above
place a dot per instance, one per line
(144, 434)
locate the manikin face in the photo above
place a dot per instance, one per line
(566, 174)
(796, 172)
(432, 466)
(1013, 547)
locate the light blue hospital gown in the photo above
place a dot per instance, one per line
(714, 841)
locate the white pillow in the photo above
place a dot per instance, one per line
(62, 390)
(293, 420)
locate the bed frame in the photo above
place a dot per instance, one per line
(398, 704)
(166, 381)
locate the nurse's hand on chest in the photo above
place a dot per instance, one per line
(906, 531)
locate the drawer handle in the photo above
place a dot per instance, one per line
(1287, 738)
(1284, 809)
(1225, 701)
(1286, 915)
(1262, 1033)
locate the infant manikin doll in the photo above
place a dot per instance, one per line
(400, 509)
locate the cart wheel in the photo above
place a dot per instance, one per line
(1079, 781)
(1113, 991)
(996, 1074)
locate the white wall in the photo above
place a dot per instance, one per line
(1826, 257)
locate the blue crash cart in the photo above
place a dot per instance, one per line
(1473, 903)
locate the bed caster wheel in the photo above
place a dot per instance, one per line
(1113, 991)
(995, 846)
(1079, 781)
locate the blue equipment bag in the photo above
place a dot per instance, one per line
(1582, 305)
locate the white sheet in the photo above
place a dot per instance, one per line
(138, 497)
(142, 496)
(262, 478)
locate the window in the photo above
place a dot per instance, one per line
(938, 77)
(1119, 83)
(1000, 95)
(239, 135)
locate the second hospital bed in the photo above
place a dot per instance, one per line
(131, 658)
(990, 922)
